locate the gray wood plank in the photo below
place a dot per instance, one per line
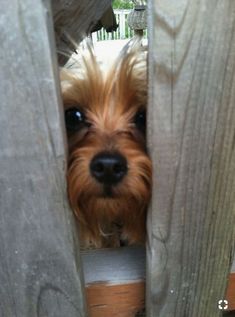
(114, 266)
(40, 270)
(191, 140)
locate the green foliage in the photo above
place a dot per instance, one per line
(122, 4)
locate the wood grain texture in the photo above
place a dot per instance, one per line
(192, 144)
(39, 259)
(115, 281)
(73, 20)
(122, 300)
(114, 265)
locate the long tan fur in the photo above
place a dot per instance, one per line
(110, 100)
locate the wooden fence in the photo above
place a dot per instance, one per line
(191, 139)
(191, 129)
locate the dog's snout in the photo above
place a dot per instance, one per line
(108, 168)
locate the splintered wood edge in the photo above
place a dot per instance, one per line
(115, 281)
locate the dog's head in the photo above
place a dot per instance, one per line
(109, 172)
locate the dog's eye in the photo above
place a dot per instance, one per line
(140, 120)
(75, 119)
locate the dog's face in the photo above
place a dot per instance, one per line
(109, 172)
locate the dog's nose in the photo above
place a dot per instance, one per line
(108, 168)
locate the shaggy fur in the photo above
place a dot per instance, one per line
(110, 100)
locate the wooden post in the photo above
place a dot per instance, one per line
(39, 252)
(191, 140)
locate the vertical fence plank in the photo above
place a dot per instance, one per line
(191, 140)
(39, 258)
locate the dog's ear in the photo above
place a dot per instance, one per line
(129, 74)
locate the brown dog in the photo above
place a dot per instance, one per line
(109, 171)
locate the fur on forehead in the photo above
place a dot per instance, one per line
(120, 88)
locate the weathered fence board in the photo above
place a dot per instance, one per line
(39, 259)
(191, 139)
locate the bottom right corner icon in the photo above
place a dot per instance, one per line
(223, 304)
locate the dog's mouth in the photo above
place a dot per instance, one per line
(108, 191)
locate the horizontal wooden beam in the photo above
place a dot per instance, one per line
(123, 300)
(114, 266)
(115, 282)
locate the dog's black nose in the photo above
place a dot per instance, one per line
(108, 168)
